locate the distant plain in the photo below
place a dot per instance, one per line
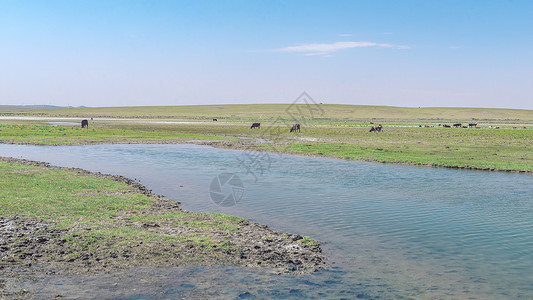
(410, 135)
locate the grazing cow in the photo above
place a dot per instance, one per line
(478, 127)
(295, 127)
(465, 126)
(256, 125)
(446, 126)
(84, 124)
(215, 120)
(376, 128)
(472, 125)
(457, 125)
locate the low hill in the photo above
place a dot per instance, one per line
(19, 108)
(274, 111)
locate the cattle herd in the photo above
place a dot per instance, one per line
(458, 125)
(374, 128)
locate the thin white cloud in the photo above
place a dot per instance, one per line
(326, 49)
(345, 34)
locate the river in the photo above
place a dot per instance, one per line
(390, 231)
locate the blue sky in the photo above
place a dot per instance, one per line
(400, 53)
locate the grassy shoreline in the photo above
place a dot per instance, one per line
(411, 136)
(508, 150)
(82, 222)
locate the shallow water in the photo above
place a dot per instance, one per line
(391, 231)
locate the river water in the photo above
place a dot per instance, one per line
(390, 231)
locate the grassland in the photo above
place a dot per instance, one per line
(69, 218)
(327, 130)
(74, 220)
(59, 135)
(265, 112)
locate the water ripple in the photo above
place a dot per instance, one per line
(401, 232)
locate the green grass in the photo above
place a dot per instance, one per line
(64, 196)
(93, 209)
(502, 149)
(59, 135)
(402, 141)
(264, 112)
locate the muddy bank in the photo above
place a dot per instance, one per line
(30, 245)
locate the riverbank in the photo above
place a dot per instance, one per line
(487, 149)
(69, 220)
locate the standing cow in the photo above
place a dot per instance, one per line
(256, 125)
(84, 124)
(295, 127)
(376, 128)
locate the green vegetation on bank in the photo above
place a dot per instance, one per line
(61, 135)
(95, 210)
(77, 221)
(488, 149)
(341, 131)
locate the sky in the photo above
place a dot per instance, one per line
(425, 53)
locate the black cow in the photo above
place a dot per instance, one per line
(376, 128)
(215, 120)
(472, 125)
(446, 126)
(457, 125)
(295, 127)
(84, 124)
(256, 125)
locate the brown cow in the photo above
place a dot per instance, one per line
(256, 125)
(295, 127)
(84, 124)
(376, 128)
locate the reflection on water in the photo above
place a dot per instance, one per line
(391, 231)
